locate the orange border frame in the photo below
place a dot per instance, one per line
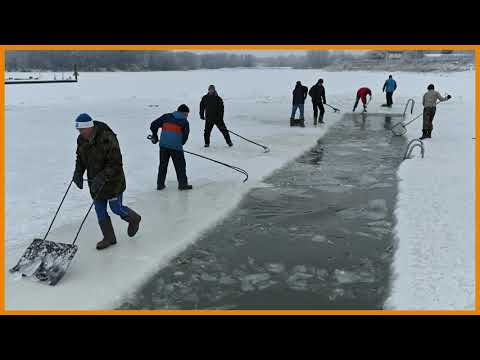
(4, 48)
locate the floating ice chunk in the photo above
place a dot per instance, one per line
(178, 273)
(207, 277)
(344, 153)
(381, 230)
(336, 188)
(169, 288)
(192, 297)
(293, 228)
(275, 267)
(374, 215)
(350, 214)
(379, 205)
(299, 281)
(256, 278)
(227, 280)
(336, 293)
(266, 284)
(319, 238)
(348, 277)
(367, 179)
(380, 186)
(246, 286)
(381, 223)
(365, 235)
(299, 269)
(322, 274)
(200, 263)
(250, 281)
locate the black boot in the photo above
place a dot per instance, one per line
(133, 220)
(185, 187)
(292, 121)
(108, 234)
(429, 134)
(424, 135)
(302, 122)
(320, 119)
(315, 120)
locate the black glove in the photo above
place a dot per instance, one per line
(97, 184)
(154, 139)
(449, 97)
(202, 117)
(78, 180)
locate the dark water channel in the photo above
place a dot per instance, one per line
(317, 236)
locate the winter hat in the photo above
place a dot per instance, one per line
(183, 108)
(211, 87)
(83, 121)
(320, 81)
(299, 83)
(431, 87)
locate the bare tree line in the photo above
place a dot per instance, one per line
(121, 60)
(172, 60)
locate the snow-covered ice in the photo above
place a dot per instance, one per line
(435, 212)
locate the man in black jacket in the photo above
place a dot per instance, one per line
(317, 93)
(299, 95)
(211, 110)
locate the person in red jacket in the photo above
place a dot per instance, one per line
(362, 94)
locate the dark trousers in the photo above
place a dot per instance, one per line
(220, 124)
(364, 101)
(389, 98)
(178, 161)
(318, 105)
(428, 115)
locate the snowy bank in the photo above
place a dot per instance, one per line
(435, 261)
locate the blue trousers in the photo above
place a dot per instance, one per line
(294, 110)
(115, 205)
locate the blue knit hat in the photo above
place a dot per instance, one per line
(83, 121)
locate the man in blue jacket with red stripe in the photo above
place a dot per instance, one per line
(175, 130)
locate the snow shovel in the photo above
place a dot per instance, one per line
(47, 261)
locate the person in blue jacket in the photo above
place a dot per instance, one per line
(389, 87)
(175, 131)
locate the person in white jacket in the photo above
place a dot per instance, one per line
(429, 107)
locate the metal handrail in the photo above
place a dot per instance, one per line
(406, 106)
(410, 147)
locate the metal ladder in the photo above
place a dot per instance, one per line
(406, 106)
(412, 145)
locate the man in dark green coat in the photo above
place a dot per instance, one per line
(98, 152)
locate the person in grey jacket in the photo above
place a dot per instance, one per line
(429, 108)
